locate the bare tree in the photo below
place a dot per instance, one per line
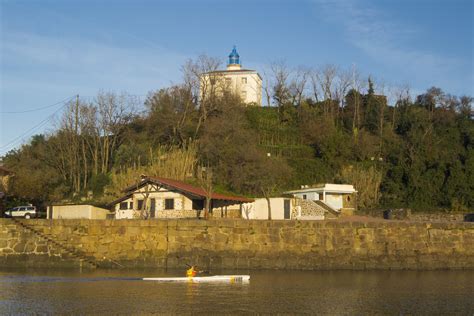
(205, 179)
(465, 106)
(326, 78)
(382, 103)
(315, 87)
(205, 83)
(356, 86)
(343, 83)
(401, 95)
(87, 136)
(194, 69)
(280, 73)
(67, 146)
(298, 84)
(113, 114)
(267, 85)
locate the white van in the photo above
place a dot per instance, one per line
(22, 211)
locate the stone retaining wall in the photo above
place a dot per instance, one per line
(246, 244)
(436, 217)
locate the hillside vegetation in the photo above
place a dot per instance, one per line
(417, 152)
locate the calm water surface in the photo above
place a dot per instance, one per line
(283, 292)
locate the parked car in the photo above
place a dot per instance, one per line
(22, 211)
(469, 217)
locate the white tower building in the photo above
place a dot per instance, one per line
(244, 82)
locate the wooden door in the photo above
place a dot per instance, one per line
(286, 209)
(153, 208)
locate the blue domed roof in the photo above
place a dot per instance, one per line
(234, 58)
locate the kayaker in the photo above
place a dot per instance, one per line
(191, 272)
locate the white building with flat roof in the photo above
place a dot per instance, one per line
(246, 83)
(340, 197)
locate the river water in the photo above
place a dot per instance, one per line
(116, 292)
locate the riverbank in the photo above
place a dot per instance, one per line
(238, 244)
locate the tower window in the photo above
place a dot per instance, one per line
(244, 80)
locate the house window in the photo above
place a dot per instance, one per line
(244, 80)
(139, 204)
(304, 196)
(169, 204)
(244, 95)
(131, 206)
(321, 196)
(123, 205)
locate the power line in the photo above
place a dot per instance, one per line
(37, 109)
(40, 124)
(47, 119)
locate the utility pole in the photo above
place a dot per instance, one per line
(76, 146)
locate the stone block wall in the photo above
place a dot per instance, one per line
(244, 244)
(20, 247)
(177, 214)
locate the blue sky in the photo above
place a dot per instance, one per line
(52, 50)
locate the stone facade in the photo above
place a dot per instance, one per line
(244, 244)
(307, 209)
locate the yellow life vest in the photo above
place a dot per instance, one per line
(190, 272)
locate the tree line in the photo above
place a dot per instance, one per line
(320, 125)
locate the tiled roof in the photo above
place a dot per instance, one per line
(123, 198)
(186, 188)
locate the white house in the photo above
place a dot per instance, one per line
(246, 83)
(340, 197)
(166, 198)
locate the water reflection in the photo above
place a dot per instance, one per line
(290, 292)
